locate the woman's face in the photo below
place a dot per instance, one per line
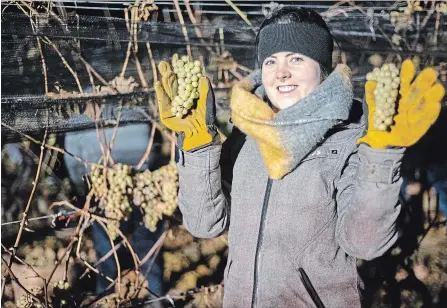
(289, 77)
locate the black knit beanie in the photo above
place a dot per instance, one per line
(305, 38)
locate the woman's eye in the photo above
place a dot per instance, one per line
(269, 62)
(296, 59)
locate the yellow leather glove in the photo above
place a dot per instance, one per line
(418, 109)
(198, 128)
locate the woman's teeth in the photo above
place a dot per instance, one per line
(286, 89)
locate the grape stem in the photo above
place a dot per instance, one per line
(115, 129)
(157, 244)
(79, 230)
(197, 29)
(23, 262)
(59, 150)
(103, 258)
(33, 270)
(185, 31)
(14, 278)
(84, 213)
(148, 149)
(25, 213)
(56, 265)
(149, 254)
(118, 266)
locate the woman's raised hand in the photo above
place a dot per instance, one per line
(418, 109)
(196, 128)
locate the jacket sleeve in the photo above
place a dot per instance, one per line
(368, 201)
(205, 178)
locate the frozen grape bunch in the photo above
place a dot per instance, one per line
(61, 285)
(188, 74)
(156, 194)
(26, 301)
(112, 189)
(388, 81)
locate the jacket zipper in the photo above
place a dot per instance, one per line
(310, 289)
(259, 243)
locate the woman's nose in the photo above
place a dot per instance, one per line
(283, 73)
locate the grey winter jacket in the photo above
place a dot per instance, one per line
(339, 204)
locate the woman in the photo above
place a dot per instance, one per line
(300, 198)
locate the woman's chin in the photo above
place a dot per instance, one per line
(284, 100)
(283, 103)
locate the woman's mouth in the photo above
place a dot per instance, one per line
(286, 89)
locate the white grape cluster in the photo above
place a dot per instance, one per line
(62, 294)
(188, 74)
(111, 189)
(61, 285)
(167, 179)
(26, 301)
(156, 193)
(388, 81)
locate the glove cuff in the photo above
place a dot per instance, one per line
(200, 140)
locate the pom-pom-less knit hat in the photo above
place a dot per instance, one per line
(305, 38)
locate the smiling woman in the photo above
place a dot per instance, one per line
(298, 59)
(300, 198)
(289, 77)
